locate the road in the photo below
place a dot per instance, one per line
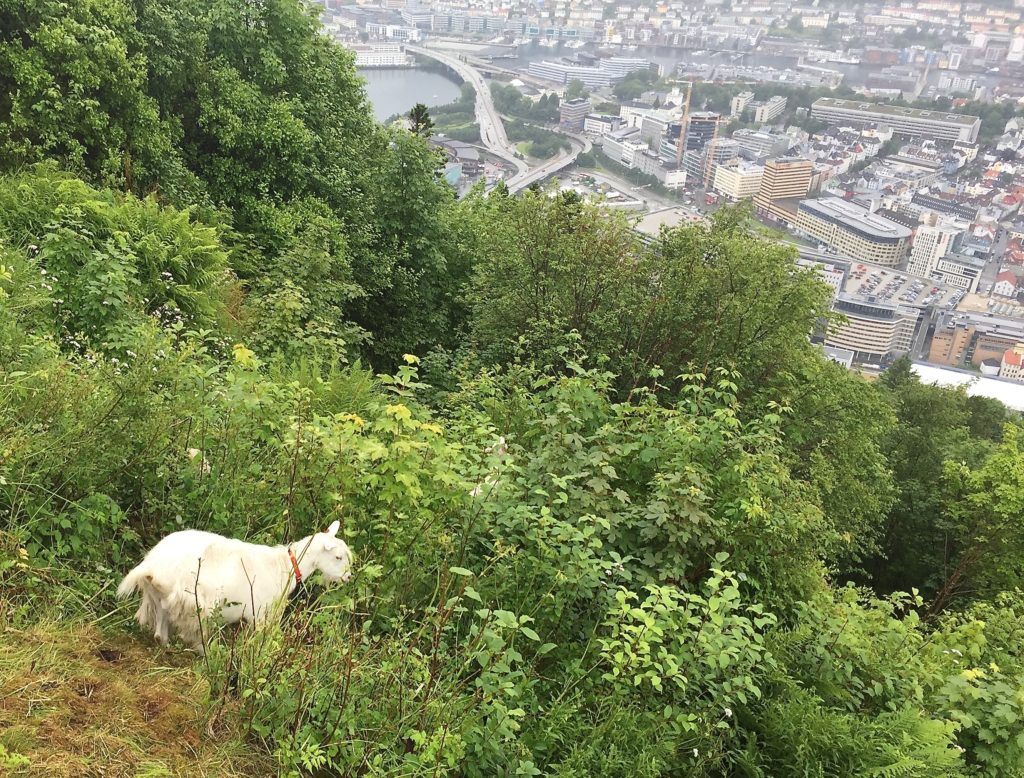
(521, 180)
(492, 129)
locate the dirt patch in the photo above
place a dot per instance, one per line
(76, 703)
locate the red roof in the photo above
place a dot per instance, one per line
(1007, 275)
(1011, 357)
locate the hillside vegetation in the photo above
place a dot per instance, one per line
(231, 301)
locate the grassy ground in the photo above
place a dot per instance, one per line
(74, 702)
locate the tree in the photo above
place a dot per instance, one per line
(246, 108)
(983, 538)
(420, 122)
(702, 295)
(576, 89)
(933, 427)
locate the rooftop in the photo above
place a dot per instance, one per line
(856, 217)
(896, 110)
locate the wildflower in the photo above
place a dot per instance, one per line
(696, 753)
(728, 713)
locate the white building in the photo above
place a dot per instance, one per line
(600, 124)
(930, 243)
(960, 270)
(559, 73)
(740, 103)
(770, 109)
(1006, 284)
(623, 146)
(1012, 364)
(381, 55)
(620, 67)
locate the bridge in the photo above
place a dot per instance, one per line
(492, 129)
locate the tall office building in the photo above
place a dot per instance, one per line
(784, 182)
(930, 245)
(701, 129)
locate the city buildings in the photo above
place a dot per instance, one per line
(911, 122)
(853, 231)
(783, 183)
(562, 73)
(624, 146)
(702, 126)
(606, 72)
(1007, 284)
(762, 143)
(972, 337)
(959, 270)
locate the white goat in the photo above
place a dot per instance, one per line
(191, 575)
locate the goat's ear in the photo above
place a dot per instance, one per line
(333, 529)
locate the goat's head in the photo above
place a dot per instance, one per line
(331, 555)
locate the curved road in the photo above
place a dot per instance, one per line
(521, 180)
(492, 129)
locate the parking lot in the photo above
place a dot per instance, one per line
(893, 286)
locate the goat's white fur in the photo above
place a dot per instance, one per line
(192, 574)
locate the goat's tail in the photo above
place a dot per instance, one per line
(134, 581)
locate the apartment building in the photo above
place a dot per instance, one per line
(560, 73)
(761, 143)
(601, 124)
(974, 337)
(959, 270)
(909, 122)
(623, 146)
(783, 183)
(853, 231)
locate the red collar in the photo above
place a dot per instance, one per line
(295, 566)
